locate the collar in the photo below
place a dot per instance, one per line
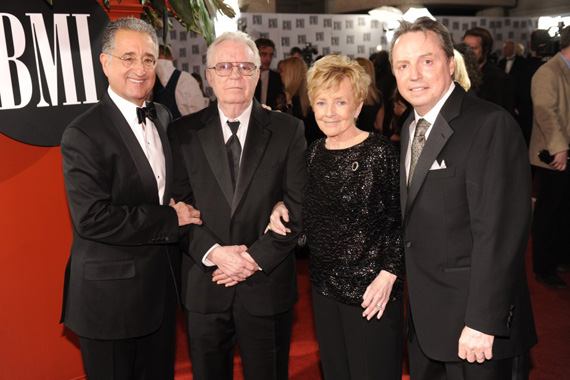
(432, 114)
(243, 118)
(128, 109)
(564, 59)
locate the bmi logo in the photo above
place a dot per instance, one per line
(49, 66)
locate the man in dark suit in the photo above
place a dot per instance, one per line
(517, 67)
(269, 85)
(465, 193)
(236, 160)
(120, 290)
(497, 86)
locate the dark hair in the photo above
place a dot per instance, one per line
(565, 38)
(486, 39)
(294, 50)
(165, 51)
(539, 39)
(126, 23)
(471, 65)
(425, 25)
(262, 42)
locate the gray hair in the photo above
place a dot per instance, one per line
(237, 37)
(425, 25)
(126, 23)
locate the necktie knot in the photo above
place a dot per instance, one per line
(144, 112)
(421, 128)
(234, 125)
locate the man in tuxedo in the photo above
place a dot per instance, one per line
(234, 161)
(497, 86)
(120, 291)
(465, 193)
(517, 67)
(270, 85)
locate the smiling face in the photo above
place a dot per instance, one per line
(422, 69)
(134, 83)
(234, 91)
(336, 111)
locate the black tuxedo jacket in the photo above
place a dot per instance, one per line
(116, 277)
(274, 88)
(272, 169)
(466, 228)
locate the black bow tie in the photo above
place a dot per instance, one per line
(148, 111)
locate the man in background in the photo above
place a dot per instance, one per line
(497, 86)
(269, 86)
(120, 292)
(176, 89)
(551, 132)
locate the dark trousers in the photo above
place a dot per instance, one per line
(149, 357)
(353, 348)
(551, 224)
(424, 368)
(263, 344)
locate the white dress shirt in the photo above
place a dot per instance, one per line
(241, 135)
(430, 118)
(148, 138)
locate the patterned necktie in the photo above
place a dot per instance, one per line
(417, 145)
(233, 148)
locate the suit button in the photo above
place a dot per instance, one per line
(408, 244)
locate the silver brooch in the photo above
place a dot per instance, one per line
(354, 166)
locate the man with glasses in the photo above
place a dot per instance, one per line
(120, 285)
(235, 160)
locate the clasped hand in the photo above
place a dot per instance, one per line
(234, 264)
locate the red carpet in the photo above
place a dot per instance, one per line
(550, 358)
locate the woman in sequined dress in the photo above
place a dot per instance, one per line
(351, 217)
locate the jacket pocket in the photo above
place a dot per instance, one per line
(456, 269)
(109, 270)
(441, 173)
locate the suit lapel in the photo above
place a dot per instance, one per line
(212, 141)
(255, 144)
(141, 162)
(440, 133)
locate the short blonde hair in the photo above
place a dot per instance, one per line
(330, 71)
(461, 74)
(295, 81)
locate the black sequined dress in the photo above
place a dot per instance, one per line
(352, 218)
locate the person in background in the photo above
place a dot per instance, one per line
(295, 99)
(269, 86)
(176, 89)
(386, 83)
(465, 193)
(372, 114)
(237, 160)
(551, 132)
(471, 65)
(461, 76)
(120, 289)
(402, 110)
(198, 78)
(352, 224)
(497, 86)
(296, 52)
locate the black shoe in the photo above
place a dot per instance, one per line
(563, 268)
(553, 281)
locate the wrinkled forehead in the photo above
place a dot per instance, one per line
(232, 51)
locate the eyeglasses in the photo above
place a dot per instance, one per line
(225, 69)
(129, 61)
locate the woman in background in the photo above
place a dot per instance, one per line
(372, 114)
(352, 223)
(295, 100)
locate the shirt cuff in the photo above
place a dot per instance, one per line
(205, 260)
